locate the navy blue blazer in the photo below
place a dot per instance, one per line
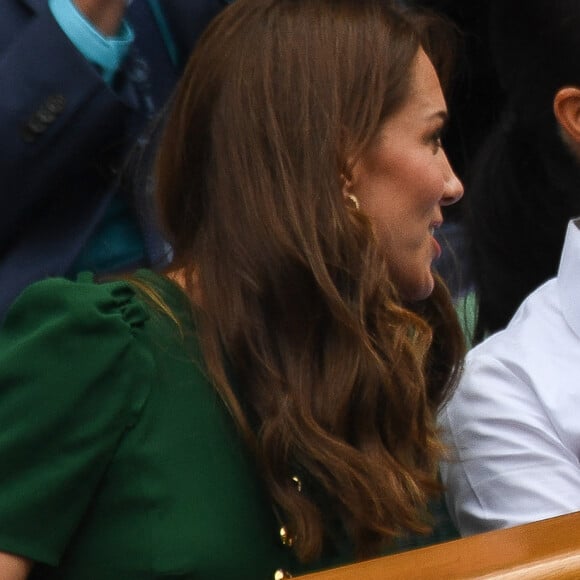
(64, 134)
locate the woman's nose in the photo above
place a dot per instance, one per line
(453, 187)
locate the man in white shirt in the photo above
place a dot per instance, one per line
(513, 425)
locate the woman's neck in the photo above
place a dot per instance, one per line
(190, 286)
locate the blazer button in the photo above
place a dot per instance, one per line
(45, 116)
(282, 575)
(55, 103)
(35, 125)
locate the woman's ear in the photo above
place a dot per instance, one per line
(350, 199)
(567, 111)
(346, 183)
(348, 177)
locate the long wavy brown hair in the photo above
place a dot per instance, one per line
(335, 377)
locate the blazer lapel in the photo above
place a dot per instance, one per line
(35, 5)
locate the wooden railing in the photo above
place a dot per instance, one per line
(542, 550)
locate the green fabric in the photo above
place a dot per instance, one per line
(444, 530)
(117, 243)
(466, 309)
(119, 460)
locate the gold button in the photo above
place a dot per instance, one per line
(297, 483)
(285, 537)
(282, 575)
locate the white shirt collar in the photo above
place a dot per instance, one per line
(569, 276)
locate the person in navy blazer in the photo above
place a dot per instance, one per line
(65, 135)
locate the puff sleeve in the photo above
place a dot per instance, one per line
(74, 377)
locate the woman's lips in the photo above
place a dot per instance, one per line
(437, 248)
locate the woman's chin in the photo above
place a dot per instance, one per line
(420, 289)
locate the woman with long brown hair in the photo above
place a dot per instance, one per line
(285, 373)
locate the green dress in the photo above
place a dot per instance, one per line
(118, 460)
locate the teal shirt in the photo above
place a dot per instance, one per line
(117, 244)
(107, 52)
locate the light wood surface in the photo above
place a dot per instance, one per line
(541, 550)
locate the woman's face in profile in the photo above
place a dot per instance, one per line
(403, 180)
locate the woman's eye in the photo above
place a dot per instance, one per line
(436, 140)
